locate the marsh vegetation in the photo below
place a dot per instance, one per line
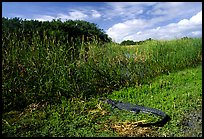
(52, 81)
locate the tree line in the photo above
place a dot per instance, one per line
(68, 31)
(131, 42)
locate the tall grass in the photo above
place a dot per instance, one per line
(136, 65)
(36, 69)
(43, 69)
(156, 57)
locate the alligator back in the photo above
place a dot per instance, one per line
(138, 108)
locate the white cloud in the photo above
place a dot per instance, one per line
(121, 5)
(125, 10)
(139, 29)
(155, 11)
(139, 32)
(73, 15)
(172, 10)
(118, 31)
(197, 33)
(139, 20)
(197, 19)
(183, 22)
(45, 18)
(95, 14)
(194, 20)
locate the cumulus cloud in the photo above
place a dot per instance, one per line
(137, 20)
(138, 29)
(120, 30)
(197, 19)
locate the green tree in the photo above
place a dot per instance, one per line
(128, 42)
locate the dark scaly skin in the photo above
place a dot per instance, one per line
(137, 109)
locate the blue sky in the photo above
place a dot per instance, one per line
(120, 20)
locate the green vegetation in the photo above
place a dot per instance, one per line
(174, 94)
(178, 94)
(51, 83)
(127, 42)
(39, 59)
(70, 31)
(131, 42)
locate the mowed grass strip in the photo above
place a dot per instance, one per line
(176, 94)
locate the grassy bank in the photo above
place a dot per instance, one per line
(42, 69)
(53, 77)
(177, 94)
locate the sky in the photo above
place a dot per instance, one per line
(120, 20)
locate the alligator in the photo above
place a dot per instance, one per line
(137, 108)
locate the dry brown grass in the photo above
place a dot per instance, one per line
(131, 129)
